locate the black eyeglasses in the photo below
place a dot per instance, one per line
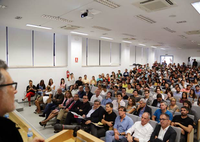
(162, 119)
(14, 85)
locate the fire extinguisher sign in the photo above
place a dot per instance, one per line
(76, 59)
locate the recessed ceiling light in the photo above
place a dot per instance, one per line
(153, 46)
(3, 6)
(107, 38)
(141, 44)
(196, 5)
(41, 27)
(78, 33)
(126, 41)
(162, 48)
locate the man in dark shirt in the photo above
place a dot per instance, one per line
(79, 81)
(184, 122)
(142, 107)
(81, 92)
(125, 74)
(107, 121)
(8, 131)
(88, 92)
(82, 109)
(57, 99)
(94, 115)
(138, 88)
(194, 64)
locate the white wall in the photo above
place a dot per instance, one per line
(23, 75)
(3, 43)
(180, 55)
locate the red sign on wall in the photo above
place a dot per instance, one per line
(76, 59)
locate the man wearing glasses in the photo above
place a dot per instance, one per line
(163, 131)
(8, 90)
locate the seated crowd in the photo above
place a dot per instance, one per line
(105, 111)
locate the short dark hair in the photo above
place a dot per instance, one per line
(110, 104)
(119, 94)
(122, 107)
(97, 100)
(185, 108)
(146, 91)
(165, 115)
(116, 86)
(159, 96)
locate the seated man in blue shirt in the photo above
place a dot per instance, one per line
(107, 99)
(122, 124)
(163, 109)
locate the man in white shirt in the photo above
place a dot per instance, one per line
(96, 96)
(119, 102)
(163, 131)
(142, 130)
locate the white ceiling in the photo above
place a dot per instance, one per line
(120, 20)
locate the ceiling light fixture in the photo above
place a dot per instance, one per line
(196, 5)
(108, 3)
(126, 41)
(35, 26)
(56, 18)
(153, 46)
(141, 44)
(107, 38)
(78, 33)
(162, 48)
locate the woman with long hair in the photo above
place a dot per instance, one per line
(51, 84)
(131, 106)
(184, 97)
(192, 94)
(62, 84)
(41, 88)
(173, 105)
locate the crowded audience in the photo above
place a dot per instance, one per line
(100, 106)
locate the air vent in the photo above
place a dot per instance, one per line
(169, 30)
(154, 5)
(129, 39)
(182, 36)
(108, 3)
(128, 34)
(70, 27)
(180, 22)
(146, 19)
(101, 28)
(56, 18)
(193, 32)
